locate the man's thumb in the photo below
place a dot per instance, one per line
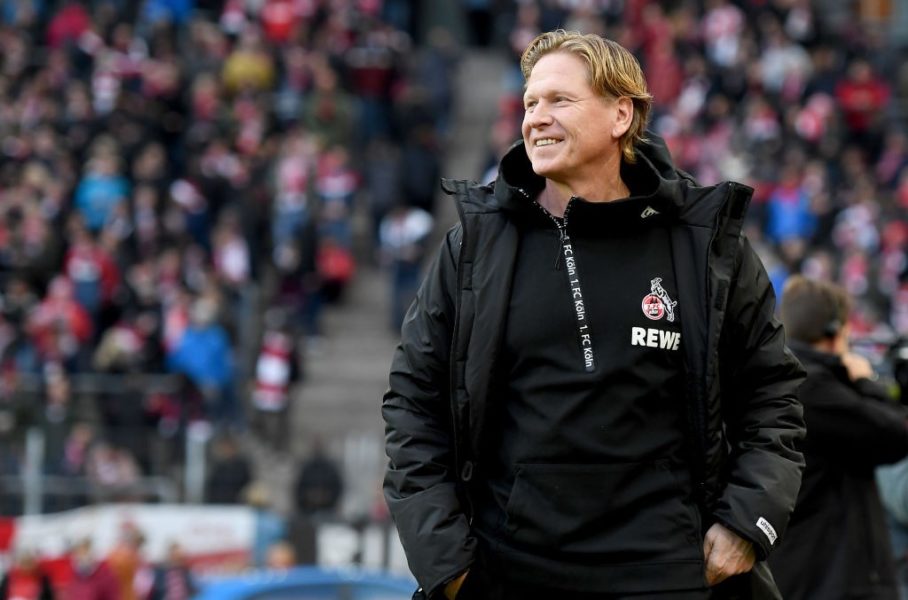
(708, 543)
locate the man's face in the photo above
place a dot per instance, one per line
(569, 130)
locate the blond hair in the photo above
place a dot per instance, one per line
(613, 72)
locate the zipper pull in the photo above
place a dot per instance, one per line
(562, 230)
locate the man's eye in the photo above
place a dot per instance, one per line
(529, 105)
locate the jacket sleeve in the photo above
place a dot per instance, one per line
(764, 421)
(420, 486)
(852, 424)
(892, 481)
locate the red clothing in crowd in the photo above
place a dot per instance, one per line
(90, 262)
(68, 24)
(25, 584)
(96, 583)
(59, 314)
(861, 101)
(279, 20)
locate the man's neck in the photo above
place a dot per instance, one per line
(833, 346)
(556, 195)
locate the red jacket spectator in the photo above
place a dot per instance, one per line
(664, 73)
(279, 20)
(26, 580)
(862, 97)
(88, 579)
(59, 316)
(68, 24)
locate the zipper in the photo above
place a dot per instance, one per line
(566, 249)
(700, 409)
(562, 236)
(460, 429)
(555, 220)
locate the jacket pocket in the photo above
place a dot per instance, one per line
(758, 584)
(628, 512)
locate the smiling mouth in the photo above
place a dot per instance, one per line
(546, 142)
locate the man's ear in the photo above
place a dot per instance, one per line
(624, 116)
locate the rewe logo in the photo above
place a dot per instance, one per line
(655, 338)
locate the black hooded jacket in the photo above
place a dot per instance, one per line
(743, 418)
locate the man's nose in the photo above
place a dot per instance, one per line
(540, 116)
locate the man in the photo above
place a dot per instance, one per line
(591, 397)
(838, 544)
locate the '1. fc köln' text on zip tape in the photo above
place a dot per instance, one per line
(583, 326)
(586, 339)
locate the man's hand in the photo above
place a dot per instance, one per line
(726, 554)
(857, 366)
(453, 586)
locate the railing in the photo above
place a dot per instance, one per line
(103, 383)
(92, 395)
(25, 495)
(34, 491)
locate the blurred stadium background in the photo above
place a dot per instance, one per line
(213, 213)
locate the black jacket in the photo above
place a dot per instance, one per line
(743, 415)
(838, 544)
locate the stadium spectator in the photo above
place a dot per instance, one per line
(26, 580)
(336, 264)
(269, 527)
(319, 485)
(403, 234)
(173, 580)
(277, 370)
(204, 355)
(230, 472)
(128, 565)
(90, 578)
(113, 472)
(101, 189)
(60, 327)
(57, 419)
(862, 97)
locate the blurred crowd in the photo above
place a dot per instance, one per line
(125, 570)
(803, 100)
(183, 185)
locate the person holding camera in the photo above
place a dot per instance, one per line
(837, 544)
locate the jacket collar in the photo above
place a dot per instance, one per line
(653, 178)
(811, 356)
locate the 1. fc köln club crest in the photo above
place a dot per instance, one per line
(657, 303)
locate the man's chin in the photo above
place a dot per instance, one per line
(543, 168)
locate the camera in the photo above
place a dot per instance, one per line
(897, 359)
(888, 354)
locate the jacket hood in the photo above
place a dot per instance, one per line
(653, 175)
